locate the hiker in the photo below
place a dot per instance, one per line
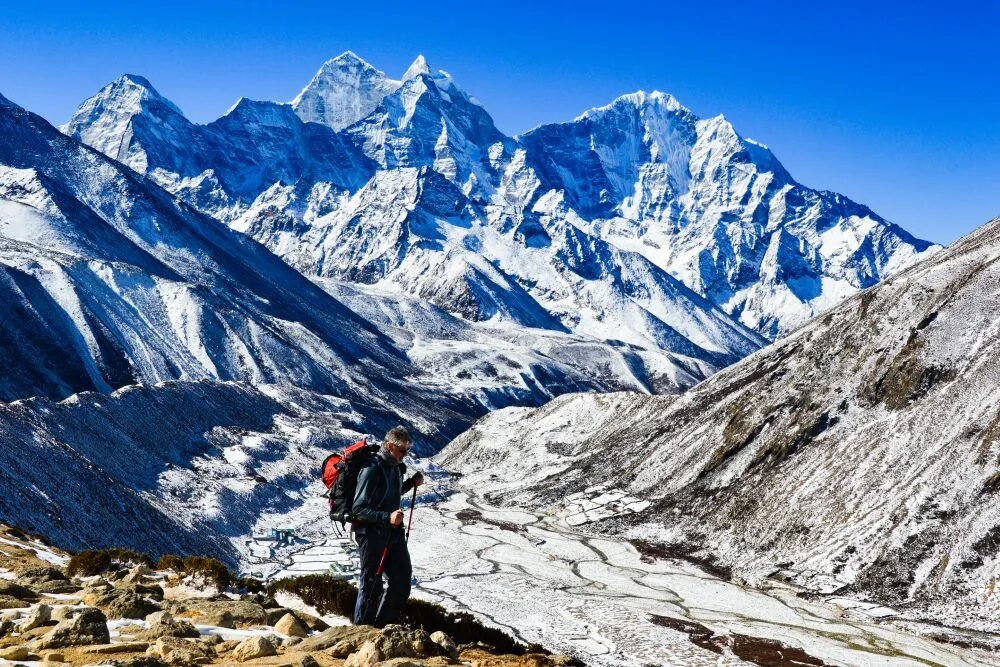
(379, 532)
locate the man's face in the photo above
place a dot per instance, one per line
(398, 451)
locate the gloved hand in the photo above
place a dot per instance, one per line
(417, 479)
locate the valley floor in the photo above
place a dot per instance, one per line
(599, 599)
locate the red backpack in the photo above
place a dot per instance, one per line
(340, 472)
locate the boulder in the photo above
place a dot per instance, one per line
(253, 648)
(289, 642)
(124, 603)
(89, 626)
(314, 623)
(62, 612)
(291, 626)
(56, 588)
(178, 651)
(9, 602)
(14, 653)
(243, 613)
(7, 626)
(40, 575)
(446, 643)
(17, 591)
(163, 624)
(394, 641)
(350, 635)
(134, 576)
(53, 659)
(91, 594)
(36, 618)
(305, 661)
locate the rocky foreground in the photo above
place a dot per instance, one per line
(133, 615)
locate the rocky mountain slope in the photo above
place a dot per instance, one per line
(422, 223)
(858, 455)
(700, 202)
(110, 281)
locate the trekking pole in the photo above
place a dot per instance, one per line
(413, 503)
(381, 563)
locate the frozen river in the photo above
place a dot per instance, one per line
(599, 599)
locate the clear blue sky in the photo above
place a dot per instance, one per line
(893, 104)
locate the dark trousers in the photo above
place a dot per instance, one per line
(375, 607)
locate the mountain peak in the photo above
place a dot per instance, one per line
(131, 93)
(640, 99)
(343, 91)
(416, 68)
(348, 59)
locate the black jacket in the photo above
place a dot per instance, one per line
(379, 492)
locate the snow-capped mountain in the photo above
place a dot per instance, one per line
(108, 281)
(428, 221)
(714, 210)
(119, 282)
(344, 90)
(857, 455)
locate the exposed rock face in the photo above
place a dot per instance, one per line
(860, 451)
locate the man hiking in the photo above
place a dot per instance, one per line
(379, 532)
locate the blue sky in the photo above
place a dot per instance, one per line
(893, 104)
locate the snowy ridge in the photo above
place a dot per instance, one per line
(716, 210)
(858, 455)
(429, 219)
(702, 203)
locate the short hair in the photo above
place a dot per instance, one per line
(399, 436)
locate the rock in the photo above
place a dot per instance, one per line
(36, 618)
(163, 624)
(135, 575)
(181, 651)
(53, 659)
(314, 623)
(40, 575)
(367, 656)
(206, 612)
(10, 602)
(122, 603)
(306, 661)
(62, 612)
(351, 635)
(226, 646)
(17, 591)
(395, 641)
(46, 580)
(89, 626)
(252, 648)
(220, 619)
(91, 594)
(289, 642)
(291, 626)
(56, 587)
(445, 642)
(6, 627)
(14, 653)
(154, 591)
